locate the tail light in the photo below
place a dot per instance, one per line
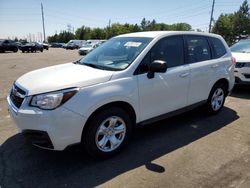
(233, 60)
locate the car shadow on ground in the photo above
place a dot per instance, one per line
(241, 91)
(22, 165)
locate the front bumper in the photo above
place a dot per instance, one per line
(238, 81)
(242, 76)
(54, 129)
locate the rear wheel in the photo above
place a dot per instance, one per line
(107, 132)
(216, 98)
(41, 50)
(15, 50)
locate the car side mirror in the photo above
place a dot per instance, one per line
(156, 66)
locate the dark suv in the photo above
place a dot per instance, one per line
(8, 45)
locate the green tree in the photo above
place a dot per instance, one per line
(224, 27)
(241, 22)
(233, 26)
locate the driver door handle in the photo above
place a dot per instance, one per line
(185, 74)
(215, 66)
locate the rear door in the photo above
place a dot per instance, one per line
(198, 54)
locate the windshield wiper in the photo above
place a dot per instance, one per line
(93, 65)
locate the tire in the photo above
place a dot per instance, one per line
(41, 50)
(99, 138)
(23, 51)
(216, 99)
(15, 50)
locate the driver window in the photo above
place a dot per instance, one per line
(169, 49)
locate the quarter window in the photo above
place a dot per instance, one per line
(218, 48)
(197, 49)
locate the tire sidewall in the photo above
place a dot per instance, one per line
(90, 133)
(209, 102)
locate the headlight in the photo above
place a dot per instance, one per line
(52, 100)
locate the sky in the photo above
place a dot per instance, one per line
(22, 18)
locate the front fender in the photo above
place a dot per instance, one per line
(89, 99)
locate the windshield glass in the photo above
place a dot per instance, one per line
(242, 46)
(117, 53)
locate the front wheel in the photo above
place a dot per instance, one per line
(107, 132)
(15, 50)
(216, 98)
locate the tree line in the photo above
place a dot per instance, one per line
(234, 26)
(231, 27)
(85, 33)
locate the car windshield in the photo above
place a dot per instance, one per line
(242, 46)
(116, 54)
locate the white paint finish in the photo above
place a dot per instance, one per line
(164, 93)
(242, 58)
(62, 76)
(178, 87)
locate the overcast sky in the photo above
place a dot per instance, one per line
(21, 17)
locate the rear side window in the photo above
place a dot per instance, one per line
(218, 48)
(197, 49)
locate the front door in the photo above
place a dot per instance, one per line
(168, 91)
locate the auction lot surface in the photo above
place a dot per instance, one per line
(189, 150)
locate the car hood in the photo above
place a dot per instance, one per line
(241, 57)
(61, 77)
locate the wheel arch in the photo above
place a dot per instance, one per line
(225, 82)
(120, 104)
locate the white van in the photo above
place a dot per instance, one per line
(131, 79)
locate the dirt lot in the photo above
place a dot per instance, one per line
(190, 150)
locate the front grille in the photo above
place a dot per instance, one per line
(242, 64)
(17, 96)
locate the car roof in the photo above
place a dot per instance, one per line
(155, 34)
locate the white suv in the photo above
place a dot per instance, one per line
(131, 79)
(241, 52)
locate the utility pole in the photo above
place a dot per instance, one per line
(211, 18)
(43, 23)
(109, 23)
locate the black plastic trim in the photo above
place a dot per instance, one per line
(38, 138)
(173, 113)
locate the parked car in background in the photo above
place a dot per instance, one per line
(131, 79)
(8, 45)
(85, 49)
(56, 45)
(74, 44)
(31, 47)
(45, 46)
(241, 53)
(71, 46)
